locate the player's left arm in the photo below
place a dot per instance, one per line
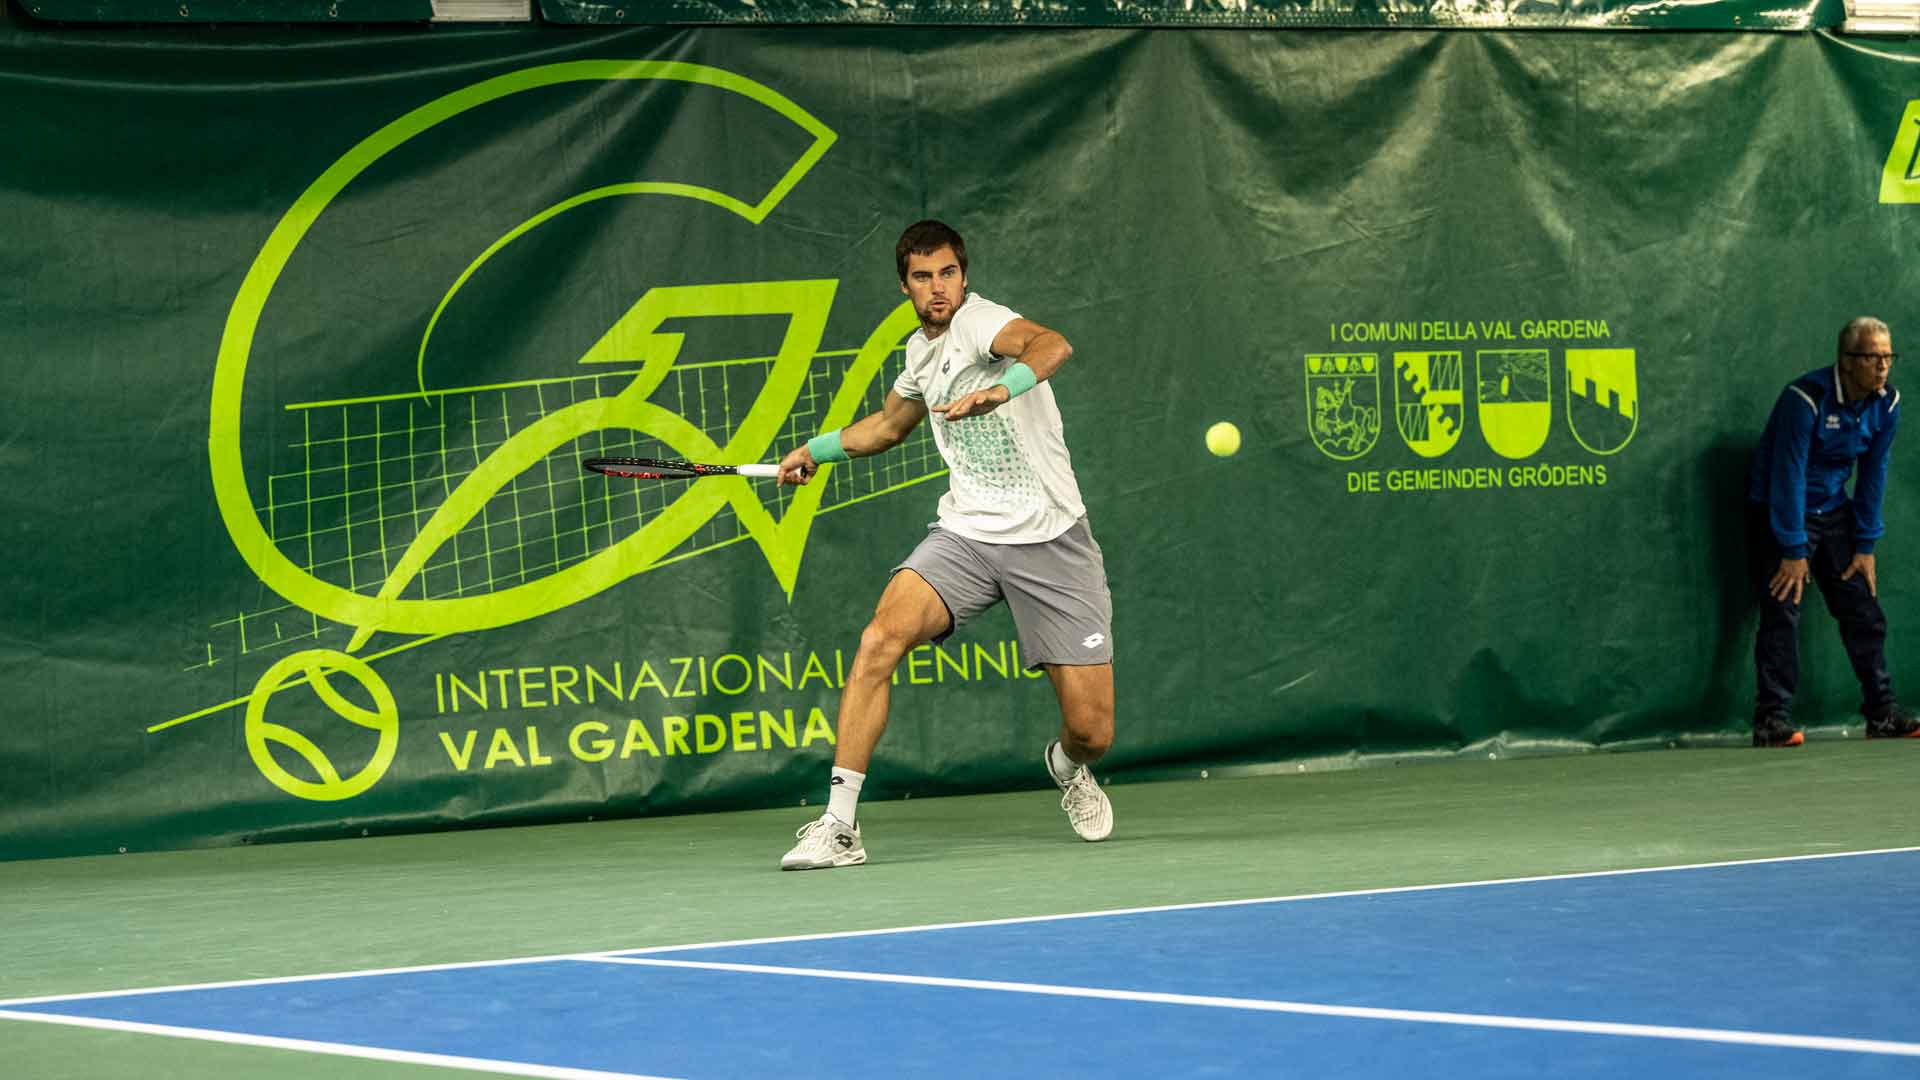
(1868, 492)
(1037, 354)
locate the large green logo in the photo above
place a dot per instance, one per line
(1900, 179)
(473, 464)
(314, 668)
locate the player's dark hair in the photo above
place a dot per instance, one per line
(925, 238)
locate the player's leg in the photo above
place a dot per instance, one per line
(1086, 732)
(1086, 709)
(1776, 647)
(1057, 592)
(935, 591)
(910, 613)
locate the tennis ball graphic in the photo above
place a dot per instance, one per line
(1223, 439)
(316, 668)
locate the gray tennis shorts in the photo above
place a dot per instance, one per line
(1056, 590)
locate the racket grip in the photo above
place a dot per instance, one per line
(767, 472)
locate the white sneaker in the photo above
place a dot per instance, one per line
(825, 842)
(1086, 805)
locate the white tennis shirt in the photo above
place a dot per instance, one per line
(1010, 479)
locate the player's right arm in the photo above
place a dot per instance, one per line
(874, 433)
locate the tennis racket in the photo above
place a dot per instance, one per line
(642, 468)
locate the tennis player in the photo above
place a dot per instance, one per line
(1011, 528)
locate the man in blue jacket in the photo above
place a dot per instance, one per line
(1802, 524)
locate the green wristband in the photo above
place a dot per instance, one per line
(826, 448)
(1018, 379)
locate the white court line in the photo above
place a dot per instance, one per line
(410, 1057)
(1192, 906)
(274, 980)
(1206, 904)
(1307, 1008)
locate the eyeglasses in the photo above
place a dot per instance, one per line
(1886, 358)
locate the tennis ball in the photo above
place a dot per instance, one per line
(1223, 439)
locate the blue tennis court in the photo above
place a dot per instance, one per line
(1777, 968)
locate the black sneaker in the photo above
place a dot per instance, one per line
(1893, 722)
(1773, 731)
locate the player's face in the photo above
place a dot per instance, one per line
(1868, 363)
(936, 285)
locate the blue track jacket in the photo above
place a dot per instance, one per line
(1812, 441)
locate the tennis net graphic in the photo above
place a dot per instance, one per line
(361, 477)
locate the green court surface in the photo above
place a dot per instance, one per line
(89, 924)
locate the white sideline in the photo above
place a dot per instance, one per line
(636, 957)
(1307, 1008)
(1192, 906)
(1205, 904)
(410, 1057)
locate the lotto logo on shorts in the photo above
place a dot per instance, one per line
(1093, 640)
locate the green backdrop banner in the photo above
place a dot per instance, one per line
(1253, 14)
(305, 350)
(231, 11)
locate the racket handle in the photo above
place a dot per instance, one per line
(766, 472)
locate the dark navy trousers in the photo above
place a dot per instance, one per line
(1863, 625)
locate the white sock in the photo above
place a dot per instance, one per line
(1059, 764)
(843, 793)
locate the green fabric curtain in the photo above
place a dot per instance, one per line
(308, 332)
